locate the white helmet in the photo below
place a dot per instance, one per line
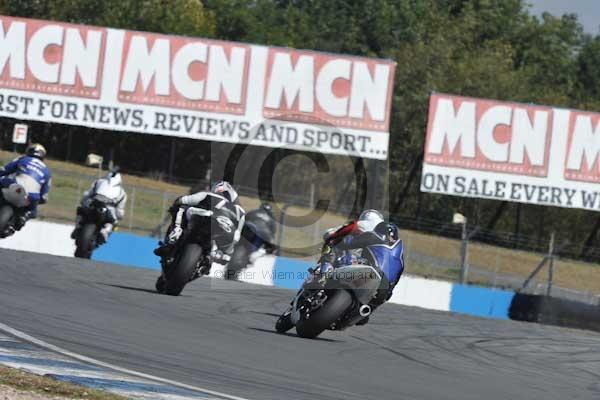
(369, 219)
(225, 189)
(115, 179)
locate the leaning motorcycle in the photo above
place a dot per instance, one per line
(257, 239)
(206, 238)
(94, 215)
(12, 198)
(331, 298)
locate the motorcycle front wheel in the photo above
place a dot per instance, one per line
(6, 216)
(86, 242)
(335, 306)
(182, 272)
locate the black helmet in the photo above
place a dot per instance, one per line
(36, 150)
(393, 233)
(267, 208)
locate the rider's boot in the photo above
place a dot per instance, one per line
(163, 249)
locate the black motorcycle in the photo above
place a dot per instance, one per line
(257, 236)
(93, 217)
(12, 199)
(207, 235)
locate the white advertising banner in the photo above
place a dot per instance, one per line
(194, 88)
(512, 152)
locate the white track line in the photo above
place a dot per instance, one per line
(51, 347)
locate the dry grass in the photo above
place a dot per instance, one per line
(25, 382)
(568, 273)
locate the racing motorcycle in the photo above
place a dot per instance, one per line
(206, 238)
(256, 241)
(12, 198)
(331, 298)
(94, 215)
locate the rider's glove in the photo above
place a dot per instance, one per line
(175, 234)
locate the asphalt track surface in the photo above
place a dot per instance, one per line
(219, 335)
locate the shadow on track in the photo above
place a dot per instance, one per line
(135, 289)
(295, 336)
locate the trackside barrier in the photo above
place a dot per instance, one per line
(42, 237)
(555, 311)
(129, 249)
(132, 250)
(481, 302)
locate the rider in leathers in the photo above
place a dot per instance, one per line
(354, 240)
(258, 238)
(110, 192)
(222, 198)
(31, 171)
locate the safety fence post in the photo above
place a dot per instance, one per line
(131, 208)
(464, 254)
(551, 266)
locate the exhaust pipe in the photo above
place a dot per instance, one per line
(364, 310)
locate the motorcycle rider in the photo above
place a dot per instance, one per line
(354, 240)
(262, 221)
(221, 197)
(110, 192)
(258, 235)
(35, 177)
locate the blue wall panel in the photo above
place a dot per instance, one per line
(480, 301)
(128, 249)
(289, 273)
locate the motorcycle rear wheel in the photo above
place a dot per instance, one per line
(183, 271)
(86, 242)
(6, 216)
(335, 306)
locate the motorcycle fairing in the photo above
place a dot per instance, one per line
(388, 258)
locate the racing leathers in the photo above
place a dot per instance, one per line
(35, 177)
(231, 217)
(379, 248)
(108, 191)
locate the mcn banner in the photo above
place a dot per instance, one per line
(194, 88)
(512, 152)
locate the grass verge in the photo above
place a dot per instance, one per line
(27, 382)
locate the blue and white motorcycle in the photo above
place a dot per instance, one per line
(339, 295)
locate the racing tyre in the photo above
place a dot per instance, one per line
(284, 323)
(160, 284)
(183, 271)
(86, 242)
(335, 306)
(239, 261)
(6, 216)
